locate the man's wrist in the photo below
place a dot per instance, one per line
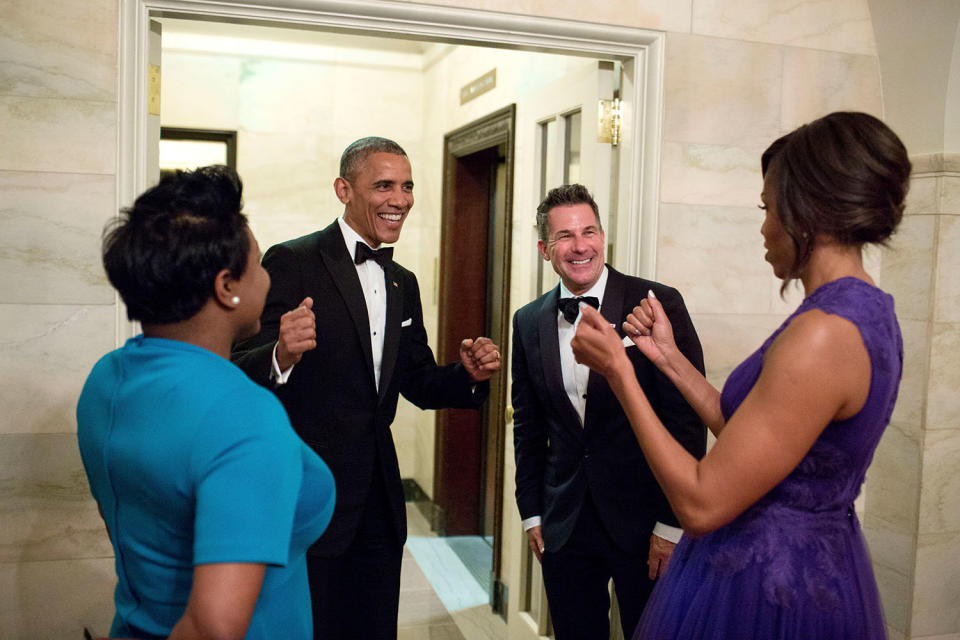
(276, 374)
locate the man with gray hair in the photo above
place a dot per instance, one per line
(341, 338)
(589, 502)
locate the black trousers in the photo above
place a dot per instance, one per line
(357, 594)
(576, 578)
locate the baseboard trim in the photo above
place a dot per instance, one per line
(413, 492)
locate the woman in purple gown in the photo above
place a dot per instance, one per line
(772, 547)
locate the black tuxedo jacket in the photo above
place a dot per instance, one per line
(331, 395)
(558, 460)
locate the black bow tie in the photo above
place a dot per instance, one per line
(381, 256)
(570, 307)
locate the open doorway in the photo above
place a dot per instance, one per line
(474, 298)
(286, 205)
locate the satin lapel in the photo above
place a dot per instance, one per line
(333, 252)
(391, 338)
(550, 358)
(614, 313)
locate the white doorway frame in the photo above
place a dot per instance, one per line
(641, 51)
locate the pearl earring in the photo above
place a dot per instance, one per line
(235, 299)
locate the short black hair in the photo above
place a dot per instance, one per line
(163, 253)
(354, 155)
(845, 175)
(568, 194)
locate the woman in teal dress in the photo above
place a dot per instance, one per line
(196, 469)
(772, 548)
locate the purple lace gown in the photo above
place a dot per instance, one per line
(793, 565)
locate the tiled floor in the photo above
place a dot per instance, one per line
(423, 615)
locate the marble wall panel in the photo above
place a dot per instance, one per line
(665, 15)
(950, 194)
(652, 14)
(890, 545)
(47, 56)
(45, 355)
(45, 505)
(710, 174)
(287, 96)
(928, 162)
(728, 339)
(287, 183)
(940, 489)
(404, 438)
(200, 91)
(372, 101)
(41, 134)
(937, 586)
(841, 25)
(892, 487)
(714, 256)
(787, 302)
(873, 261)
(947, 305)
(924, 194)
(912, 397)
(894, 590)
(56, 599)
(907, 267)
(423, 453)
(50, 230)
(943, 401)
(816, 83)
(722, 92)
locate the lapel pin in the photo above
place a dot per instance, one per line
(395, 283)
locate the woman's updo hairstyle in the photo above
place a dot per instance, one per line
(844, 176)
(163, 254)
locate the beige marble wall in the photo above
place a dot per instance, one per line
(737, 74)
(936, 575)
(913, 513)
(57, 189)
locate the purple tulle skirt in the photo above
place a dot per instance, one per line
(780, 574)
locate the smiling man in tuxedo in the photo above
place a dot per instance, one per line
(342, 337)
(590, 504)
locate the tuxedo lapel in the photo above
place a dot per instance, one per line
(333, 253)
(391, 338)
(550, 359)
(613, 312)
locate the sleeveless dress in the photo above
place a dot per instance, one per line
(795, 564)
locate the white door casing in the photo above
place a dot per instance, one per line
(640, 52)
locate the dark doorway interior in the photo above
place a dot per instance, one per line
(474, 300)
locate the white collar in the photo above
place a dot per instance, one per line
(595, 291)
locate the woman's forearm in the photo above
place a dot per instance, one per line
(702, 396)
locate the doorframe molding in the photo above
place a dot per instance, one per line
(641, 50)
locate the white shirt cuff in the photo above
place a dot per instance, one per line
(279, 377)
(531, 522)
(668, 533)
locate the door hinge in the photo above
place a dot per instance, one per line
(610, 121)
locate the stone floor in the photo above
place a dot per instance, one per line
(423, 615)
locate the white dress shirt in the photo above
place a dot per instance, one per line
(373, 283)
(575, 377)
